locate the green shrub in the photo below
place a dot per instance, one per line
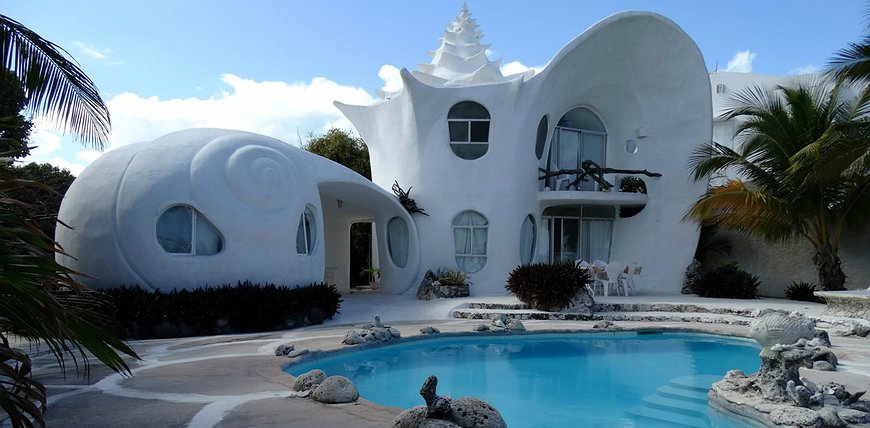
(802, 291)
(451, 277)
(548, 287)
(243, 308)
(727, 281)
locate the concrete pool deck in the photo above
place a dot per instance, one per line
(236, 381)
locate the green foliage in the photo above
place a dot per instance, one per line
(548, 287)
(802, 291)
(16, 129)
(451, 277)
(243, 308)
(727, 281)
(804, 168)
(632, 184)
(340, 146)
(44, 200)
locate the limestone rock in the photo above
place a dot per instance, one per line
(795, 416)
(428, 329)
(309, 380)
(297, 353)
(822, 338)
(799, 394)
(353, 338)
(515, 325)
(823, 366)
(470, 412)
(284, 349)
(394, 333)
(602, 324)
(443, 412)
(830, 418)
(825, 354)
(335, 389)
(481, 327)
(852, 416)
(582, 304)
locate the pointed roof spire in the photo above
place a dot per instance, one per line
(461, 59)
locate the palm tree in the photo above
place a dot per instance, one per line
(794, 180)
(40, 300)
(56, 88)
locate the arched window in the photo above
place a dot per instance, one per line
(578, 136)
(397, 241)
(306, 233)
(468, 123)
(470, 230)
(181, 229)
(527, 240)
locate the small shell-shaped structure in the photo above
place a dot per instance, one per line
(778, 328)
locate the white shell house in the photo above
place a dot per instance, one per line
(486, 155)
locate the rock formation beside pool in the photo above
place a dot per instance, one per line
(851, 303)
(444, 412)
(377, 332)
(776, 395)
(330, 390)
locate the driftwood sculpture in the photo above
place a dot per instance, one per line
(405, 200)
(589, 169)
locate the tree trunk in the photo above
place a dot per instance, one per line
(831, 276)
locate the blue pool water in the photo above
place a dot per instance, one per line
(625, 379)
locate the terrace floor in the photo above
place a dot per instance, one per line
(236, 381)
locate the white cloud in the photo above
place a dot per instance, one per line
(515, 67)
(807, 69)
(392, 79)
(45, 138)
(101, 54)
(741, 62)
(277, 109)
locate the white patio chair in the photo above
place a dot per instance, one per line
(609, 279)
(626, 279)
(583, 264)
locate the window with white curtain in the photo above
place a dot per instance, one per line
(181, 229)
(306, 233)
(397, 241)
(527, 240)
(470, 230)
(468, 126)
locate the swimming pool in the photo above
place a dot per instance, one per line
(627, 379)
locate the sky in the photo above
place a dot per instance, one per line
(275, 66)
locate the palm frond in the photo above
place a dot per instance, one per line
(56, 87)
(852, 62)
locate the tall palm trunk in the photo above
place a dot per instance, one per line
(831, 276)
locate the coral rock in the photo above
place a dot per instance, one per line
(309, 380)
(335, 389)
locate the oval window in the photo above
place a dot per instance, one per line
(541, 139)
(527, 240)
(397, 241)
(181, 229)
(468, 127)
(306, 233)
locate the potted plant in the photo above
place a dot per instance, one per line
(374, 275)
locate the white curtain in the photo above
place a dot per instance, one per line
(596, 239)
(175, 230)
(306, 233)
(469, 238)
(397, 241)
(527, 240)
(208, 240)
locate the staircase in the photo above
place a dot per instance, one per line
(682, 402)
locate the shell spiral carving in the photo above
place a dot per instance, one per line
(260, 176)
(778, 328)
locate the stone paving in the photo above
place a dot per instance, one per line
(237, 381)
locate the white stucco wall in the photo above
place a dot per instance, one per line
(252, 188)
(644, 77)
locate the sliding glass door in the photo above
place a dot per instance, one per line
(572, 237)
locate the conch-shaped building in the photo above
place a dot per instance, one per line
(586, 159)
